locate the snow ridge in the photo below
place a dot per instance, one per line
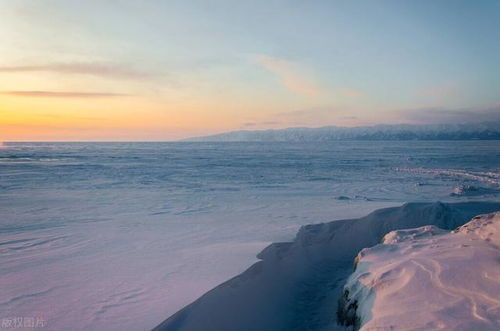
(428, 278)
(489, 177)
(296, 285)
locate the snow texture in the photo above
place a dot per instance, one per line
(296, 285)
(428, 278)
(119, 236)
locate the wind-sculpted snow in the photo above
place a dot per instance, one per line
(489, 177)
(471, 190)
(428, 278)
(296, 285)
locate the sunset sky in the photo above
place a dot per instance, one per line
(164, 70)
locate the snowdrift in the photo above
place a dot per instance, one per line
(296, 285)
(428, 278)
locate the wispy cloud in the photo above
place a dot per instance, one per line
(53, 94)
(294, 76)
(322, 115)
(350, 92)
(310, 112)
(451, 116)
(107, 70)
(439, 92)
(327, 115)
(264, 123)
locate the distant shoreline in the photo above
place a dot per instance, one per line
(188, 141)
(401, 132)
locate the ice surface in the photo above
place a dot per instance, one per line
(427, 278)
(120, 236)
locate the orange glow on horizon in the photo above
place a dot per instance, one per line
(122, 118)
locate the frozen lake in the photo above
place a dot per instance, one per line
(119, 236)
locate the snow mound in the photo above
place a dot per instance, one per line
(398, 236)
(488, 177)
(486, 227)
(428, 278)
(296, 285)
(470, 190)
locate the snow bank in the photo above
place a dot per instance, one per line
(428, 278)
(488, 177)
(471, 190)
(296, 285)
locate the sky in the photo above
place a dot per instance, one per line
(166, 70)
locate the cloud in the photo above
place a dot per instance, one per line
(451, 116)
(323, 115)
(350, 93)
(264, 123)
(440, 92)
(293, 75)
(313, 112)
(52, 94)
(96, 69)
(327, 115)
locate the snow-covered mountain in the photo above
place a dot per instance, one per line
(484, 130)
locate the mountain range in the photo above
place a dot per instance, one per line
(470, 131)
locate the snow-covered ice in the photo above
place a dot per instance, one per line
(428, 278)
(297, 285)
(119, 236)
